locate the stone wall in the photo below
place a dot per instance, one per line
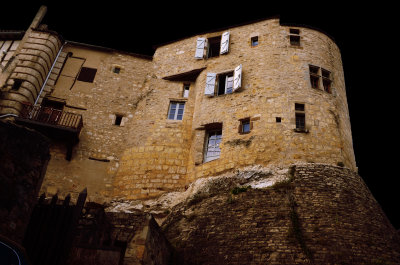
(168, 154)
(320, 214)
(24, 155)
(33, 62)
(96, 157)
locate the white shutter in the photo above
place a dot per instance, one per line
(210, 84)
(200, 45)
(224, 43)
(237, 79)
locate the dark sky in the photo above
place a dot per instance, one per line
(366, 35)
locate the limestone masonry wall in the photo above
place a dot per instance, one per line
(321, 214)
(131, 147)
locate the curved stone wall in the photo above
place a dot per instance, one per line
(321, 214)
(275, 77)
(34, 62)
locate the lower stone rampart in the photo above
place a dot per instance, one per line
(317, 214)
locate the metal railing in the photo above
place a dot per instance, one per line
(52, 116)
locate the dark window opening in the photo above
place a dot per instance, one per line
(54, 104)
(314, 76)
(87, 74)
(225, 83)
(294, 40)
(299, 107)
(294, 37)
(118, 119)
(300, 121)
(278, 119)
(214, 46)
(116, 70)
(326, 81)
(294, 31)
(254, 41)
(17, 84)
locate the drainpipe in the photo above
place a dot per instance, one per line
(48, 75)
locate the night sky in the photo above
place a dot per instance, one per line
(366, 35)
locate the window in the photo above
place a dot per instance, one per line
(326, 81)
(87, 74)
(176, 110)
(278, 119)
(223, 83)
(300, 117)
(212, 149)
(254, 41)
(315, 75)
(17, 84)
(245, 126)
(212, 47)
(118, 119)
(185, 93)
(294, 37)
(116, 70)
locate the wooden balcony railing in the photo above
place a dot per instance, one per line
(52, 117)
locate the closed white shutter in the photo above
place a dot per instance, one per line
(210, 84)
(200, 45)
(224, 43)
(237, 82)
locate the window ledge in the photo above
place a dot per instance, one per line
(296, 47)
(298, 130)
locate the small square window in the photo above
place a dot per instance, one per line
(254, 41)
(116, 69)
(87, 74)
(245, 125)
(176, 110)
(278, 119)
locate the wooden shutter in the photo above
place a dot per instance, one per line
(200, 46)
(237, 78)
(224, 43)
(210, 84)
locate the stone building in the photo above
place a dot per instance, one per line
(133, 127)
(260, 93)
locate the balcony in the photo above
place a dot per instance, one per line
(55, 123)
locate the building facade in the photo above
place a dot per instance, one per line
(130, 126)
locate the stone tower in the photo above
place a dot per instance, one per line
(27, 63)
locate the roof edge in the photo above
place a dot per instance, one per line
(101, 48)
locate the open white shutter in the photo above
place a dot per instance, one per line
(237, 78)
(210, 84)
(200, 45)
(224, 43)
